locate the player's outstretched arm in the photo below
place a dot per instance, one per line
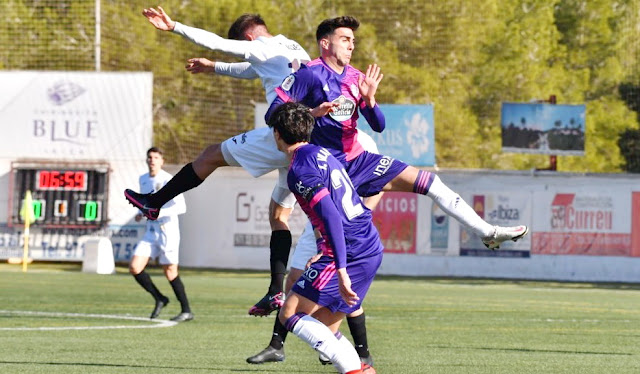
(242, 70)
(200, 65)
(159, 19)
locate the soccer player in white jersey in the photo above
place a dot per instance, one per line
(270, 58)
(161, 240)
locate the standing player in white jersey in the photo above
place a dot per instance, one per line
(270, 58)
(161, 240)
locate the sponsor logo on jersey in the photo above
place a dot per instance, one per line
(301, 284)
(383, 165)
(288, 82)
(345, 109)
(310, 274)
(293, 46)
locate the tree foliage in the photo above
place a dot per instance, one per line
(465, 57)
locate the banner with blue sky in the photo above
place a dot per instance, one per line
(543, 128)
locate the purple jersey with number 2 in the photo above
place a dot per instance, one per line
(325, 193)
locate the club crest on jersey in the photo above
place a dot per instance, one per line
(345, 109)
(287, 83)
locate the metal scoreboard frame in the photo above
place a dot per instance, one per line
(70, 195)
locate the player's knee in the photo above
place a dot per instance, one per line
(284, 315)
(171, 272)
(134, 269)
(278, 216)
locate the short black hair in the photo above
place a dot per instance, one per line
(243, 23)
(328, 26)
(293, 121)
(155, 150)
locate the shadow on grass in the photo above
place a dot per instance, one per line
(530, 350)
(518, 282)
(249, 369)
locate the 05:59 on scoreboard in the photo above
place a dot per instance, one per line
(64, 195)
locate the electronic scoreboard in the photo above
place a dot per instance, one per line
(64, 195)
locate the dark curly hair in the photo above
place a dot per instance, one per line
(328, 26)
(293, 121)
(243, 23)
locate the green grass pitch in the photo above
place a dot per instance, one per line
(415, 325)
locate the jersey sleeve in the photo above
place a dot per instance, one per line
(206, 39)
(295, 87)
(374, 116)
(242, 70)
(309, 187)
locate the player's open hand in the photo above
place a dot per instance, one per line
(159, 19)
(368, 84)
(349, 297)
(200, 65)
(324, 109)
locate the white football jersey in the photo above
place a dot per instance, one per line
(272, 58)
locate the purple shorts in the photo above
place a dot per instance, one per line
(319, 283)
(370, 172)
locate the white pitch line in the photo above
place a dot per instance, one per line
(156, 322)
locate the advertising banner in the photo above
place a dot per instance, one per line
(395, 218)
(543, 128)
(586, 221)
(503, 209)
(409, 135)
(75, 115)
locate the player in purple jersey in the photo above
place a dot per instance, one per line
(336, 91)
(338, 281)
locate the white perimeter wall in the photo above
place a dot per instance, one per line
(227, 226)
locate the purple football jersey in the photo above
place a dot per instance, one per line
(315, 174)
(316, 83)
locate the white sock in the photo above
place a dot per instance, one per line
(320, 338)
(452, 204)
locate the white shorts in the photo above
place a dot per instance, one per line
(305, 249)
(281, 195)
(255, 151)
(367, 142)
(162, 242)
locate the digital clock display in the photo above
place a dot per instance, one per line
(71, 195)
(62, 180)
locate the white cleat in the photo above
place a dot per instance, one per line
(502, 234)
